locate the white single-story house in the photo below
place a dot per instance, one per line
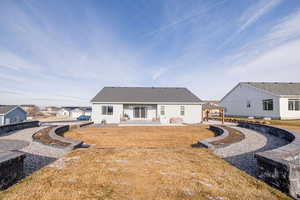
(263, 100)
(10, 114)
(51, 110)
(74, 112)
(64, 112)
(116, 104)
(77, 112)
(87, 111)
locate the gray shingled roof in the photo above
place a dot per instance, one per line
(145, 94)
(5, 108)
(277, 88)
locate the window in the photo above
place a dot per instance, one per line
(182, 110)
(107, 110)
(268, 104)
(162, 110)
(248, 104)
(294, 104)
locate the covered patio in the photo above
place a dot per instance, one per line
(135, 113)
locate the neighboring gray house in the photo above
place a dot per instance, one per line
(166, 105)
(276, 100)
(10, 114)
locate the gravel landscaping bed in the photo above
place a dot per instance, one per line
(37, 154)
(233, 137)
(241, 154)
(43, 137)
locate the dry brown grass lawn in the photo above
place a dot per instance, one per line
(276, 122)
(161, 173)
(292, 128)
(143, 136)
(285, 122)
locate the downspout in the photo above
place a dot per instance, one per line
(279, 107)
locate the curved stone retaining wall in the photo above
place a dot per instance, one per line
(11, 168)
(64, 122)
(220, 134)
(18, 126)
(279, 167)
(56, 133)
(75, 126)
(11, 162)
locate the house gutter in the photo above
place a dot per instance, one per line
(163, 103)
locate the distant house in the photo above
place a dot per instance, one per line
(73, 112)
(65, 112)
(31, 110)
(87, 111)
(263, 100)
(212, 104)
(27, 107)
(49, 111)
(52, 110)
(115, 104)
(10, 114)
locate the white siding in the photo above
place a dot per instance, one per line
(63, 113)
(1, 120)
(235, 103)
(88, 113)
(285, 113)
(193, 113)
(97, 116)
(76, 113)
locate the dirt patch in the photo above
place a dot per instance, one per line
(154, 136)
(233, 137)
(43, 137)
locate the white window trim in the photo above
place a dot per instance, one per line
(294, 104)
(162, 110)
(182, 110)
(106, 108)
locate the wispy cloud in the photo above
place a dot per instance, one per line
(57, 53)
(185, 19)
(288, 28)
(251, 16)
(158, 73)
(52, 56)
(256, 11)
(272, 57)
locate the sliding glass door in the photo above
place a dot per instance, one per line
(140, 112)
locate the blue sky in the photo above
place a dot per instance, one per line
(62, 52)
